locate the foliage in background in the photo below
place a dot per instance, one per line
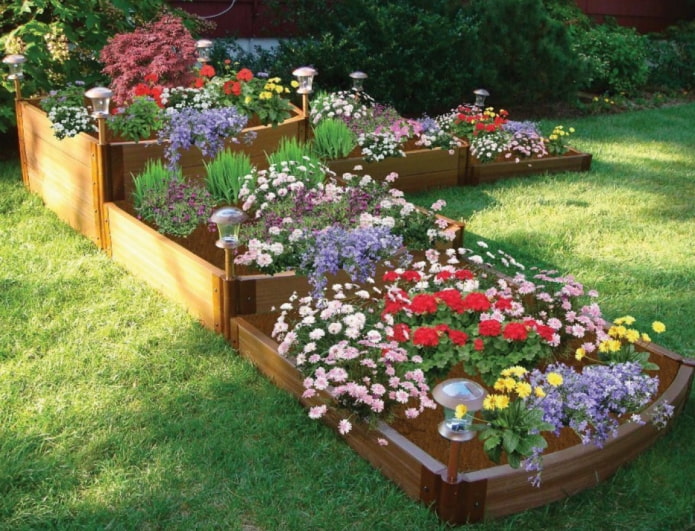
(414, 52)
(671, 56)
(526, 54)
(61, 40)
(613, 57)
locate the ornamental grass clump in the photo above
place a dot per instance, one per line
(225, 175)
(332, 139)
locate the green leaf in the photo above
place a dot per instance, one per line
(510, 440)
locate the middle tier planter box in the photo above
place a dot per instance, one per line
(76, 176)
(191, 271)
(480, 173)
(419, 170)
(481, 490)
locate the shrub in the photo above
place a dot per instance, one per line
(164, 48)
(333, 139)
(613, 57)
(225, 175)
(414, 52)
(525, 54)
(671, 57)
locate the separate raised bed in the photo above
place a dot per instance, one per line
(191, 271)
(76, 176)
(419, 170)
(492, 491)
(478, 173)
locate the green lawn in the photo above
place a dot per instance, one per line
(120, 412)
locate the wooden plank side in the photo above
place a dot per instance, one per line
(399, 460)
(174, 271)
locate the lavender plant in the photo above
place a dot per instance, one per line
(207, 129)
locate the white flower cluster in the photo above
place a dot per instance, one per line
(377, 146)
(179, 98)
(67, 121)
(342, 104)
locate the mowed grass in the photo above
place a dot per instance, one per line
(119, 411)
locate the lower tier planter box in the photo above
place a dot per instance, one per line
(489, 492)
(76, 176)
(479, 173)
(191, 271)
(419, 170)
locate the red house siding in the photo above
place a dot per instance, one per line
(253, 19)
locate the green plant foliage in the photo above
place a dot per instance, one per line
(61, 40)
(525, 54)
(333, 139)
(613, 57)
(416, 53)
(671, 58)
(152, 180)
(225, 175)
(139, 120)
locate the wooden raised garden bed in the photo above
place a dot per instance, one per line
(479, 492)
(479, 173)
(419, 170)
(76, 176)
(191, 271)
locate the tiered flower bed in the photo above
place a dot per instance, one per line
(191, 270)
(76, 176)
(477, 172)
(419, 170)
(416, 455)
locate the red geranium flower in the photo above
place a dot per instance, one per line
(476, 301)
(426, 337)
(207, 71)
(244, 75)
(232, 87)
(452, 298)
(151, 78)
(411, 276)
(489, 327)
(423, 303)
(464, 274)
(401, 332)
(503, 304)
(389, 276)
(444, 275)
(457, 337)
(199, 82)
(478, 344)
(515, 332)
(545, 331)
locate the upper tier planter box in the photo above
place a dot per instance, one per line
(479, 173)
(489, 492)
(191, 271)
(76, 176)
(419, 170)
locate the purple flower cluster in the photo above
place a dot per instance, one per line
(354, 250)
(591, 401)
(207, 129)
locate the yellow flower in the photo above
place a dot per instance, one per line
(658, 327)
(628, 320)
(265, 95)
(505, 384)
(538, 391)
(579, 354)
(646, 338)
(617, 331)
(460, 411)
(632, 335)
(489, 403)
(614, 345)
(279, 89)
(554, 379)
(294, 83)
(248, 99)
(518, 371)
(501, 401)
(523, 389)
(603, 346)
(571, 129)
(553, 136)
